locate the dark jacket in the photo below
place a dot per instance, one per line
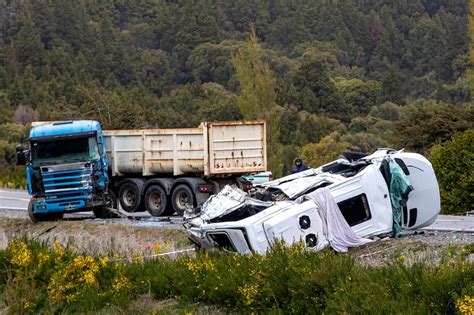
(300, 168)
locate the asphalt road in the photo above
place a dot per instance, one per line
(14, 203)
(13, 200)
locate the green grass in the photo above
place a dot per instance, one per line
(13, 178)
(35, 278)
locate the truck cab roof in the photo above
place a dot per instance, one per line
(60, 128)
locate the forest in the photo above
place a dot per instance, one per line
(327, 75)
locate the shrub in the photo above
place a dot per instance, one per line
(453, 162)
(14, 177)
(38, 279)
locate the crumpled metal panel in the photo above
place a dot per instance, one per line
(289, 178)
(226, 201)
(299, 186)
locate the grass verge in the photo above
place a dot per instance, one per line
(35, 278)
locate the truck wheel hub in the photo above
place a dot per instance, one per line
(155, 199)
(183, 200)
(130, 198)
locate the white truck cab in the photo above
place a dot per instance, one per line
(235, 221)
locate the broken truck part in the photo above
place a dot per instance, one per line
(339, 204)
(75, 166)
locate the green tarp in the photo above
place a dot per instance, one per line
(399, 189)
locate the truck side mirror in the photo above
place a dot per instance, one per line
(20, 155)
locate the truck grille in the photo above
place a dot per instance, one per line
(67, 182)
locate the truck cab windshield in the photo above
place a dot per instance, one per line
(62, 151)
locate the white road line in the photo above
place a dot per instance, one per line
(14, 198)
(12, 208)
(14, 191)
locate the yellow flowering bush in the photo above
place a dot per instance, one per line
(465, 305)
(57, 249)
(120, 283)
(67, 282)
(20, 253)
(249, 293)
(36, 278)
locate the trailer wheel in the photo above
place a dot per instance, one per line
(182, 198)
(156, 200)
(130, 195)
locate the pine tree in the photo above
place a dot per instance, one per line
(257, 96)
(470, 70)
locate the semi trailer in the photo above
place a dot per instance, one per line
(76, 166)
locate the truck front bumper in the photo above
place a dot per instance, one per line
(61, 205)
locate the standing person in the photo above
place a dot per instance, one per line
(299, 166)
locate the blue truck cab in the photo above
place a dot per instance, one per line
(66, 169)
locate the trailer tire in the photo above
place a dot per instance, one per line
(156, 201)
(182, 198)
(130, 195)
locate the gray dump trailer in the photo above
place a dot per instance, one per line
(168, 170)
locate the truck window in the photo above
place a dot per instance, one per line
(65, 150)
(223, 241)
(355, 210)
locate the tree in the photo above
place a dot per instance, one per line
(318, 91)
(288, 30)
(392, 88)
(360, 95)
(197, 26)
(25, 115)
(117, 109)
(257, 82)
(453, 162)
(313, 128)
(326, 150)
(427, 42)
(429, 122)
(211, 62)
(365, 141)
(387, 111)
(470, 70)
(257, 95)
(153, 70)
(218, 104)
(28, 46)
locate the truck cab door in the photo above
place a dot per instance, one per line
(365, 203)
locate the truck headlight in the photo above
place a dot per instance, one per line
(41, 199)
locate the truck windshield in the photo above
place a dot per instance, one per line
(63, 151)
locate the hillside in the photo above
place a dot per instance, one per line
(327, 75)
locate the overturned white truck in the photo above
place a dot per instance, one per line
(340, 204)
